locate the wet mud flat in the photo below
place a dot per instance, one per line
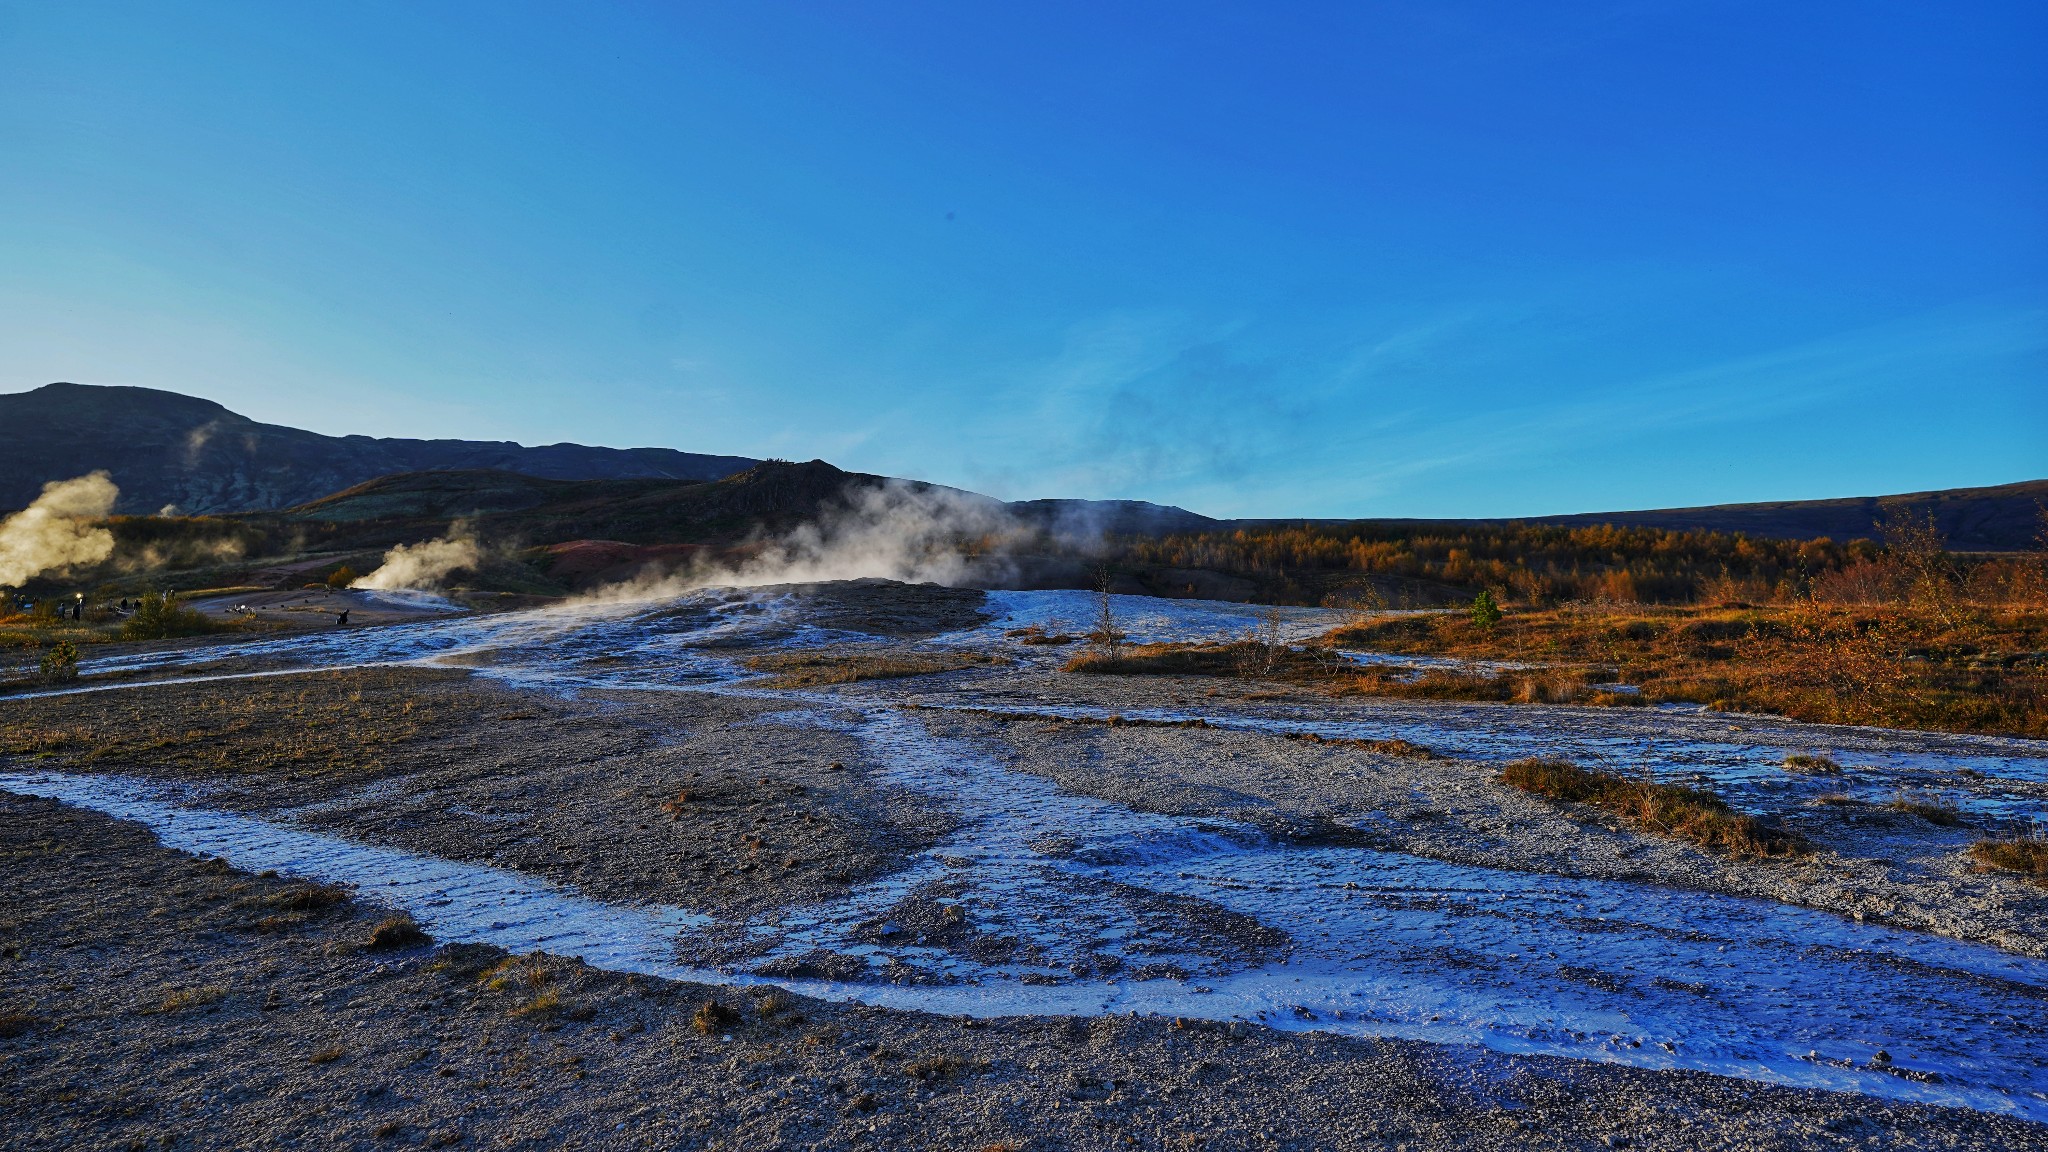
(153, 999)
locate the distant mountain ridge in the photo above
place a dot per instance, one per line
(168, 449)
(164, 448)
(2000, 518)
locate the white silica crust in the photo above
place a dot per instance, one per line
(1074, 905)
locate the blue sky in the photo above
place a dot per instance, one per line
(1409, 259)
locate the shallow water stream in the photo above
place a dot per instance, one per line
(1048, 902)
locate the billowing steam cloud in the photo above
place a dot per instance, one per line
(426, 564)
(57, 533)
(895, 531)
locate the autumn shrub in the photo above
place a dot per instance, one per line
(158, 616)
(59, 664)
(1485, 610)
(1977, 669)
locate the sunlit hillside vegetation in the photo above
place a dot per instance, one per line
(1903, 633)
(1537, 564)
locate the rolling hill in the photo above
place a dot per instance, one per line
(2003, 518)
(771, 496)
(165, 449)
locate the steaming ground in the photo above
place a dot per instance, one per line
(996, 916)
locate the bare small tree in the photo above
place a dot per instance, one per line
(1263, 643)
(1915, 548)
(1106, 638)
(1359, 604)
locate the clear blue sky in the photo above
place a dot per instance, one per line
(1428, 258)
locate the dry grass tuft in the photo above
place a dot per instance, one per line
(2027, 855)
(14, 1023)
(180, 999)
(545, 1002)
(1932, 811)
(532, 975)
(397, 931)
(1667, 809)
(309, 897)
(821, 666)
(293, 906)
(1209, 659)
(1396, 746)
(1811, 764)
(938, 1067)
(713, 1018)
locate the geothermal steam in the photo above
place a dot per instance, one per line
(426, 564)
(895, 531)
(57, 532)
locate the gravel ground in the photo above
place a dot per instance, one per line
(685, 801)
(149, 999)
(1871, 863)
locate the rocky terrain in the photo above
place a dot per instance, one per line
(994, 907)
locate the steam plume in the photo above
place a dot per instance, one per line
(56, 532)
(895, 531)
(426, 564)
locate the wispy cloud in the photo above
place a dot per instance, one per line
(1159, 407)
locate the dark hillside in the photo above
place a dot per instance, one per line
(166, 449)
(769, 497)
(2003, 518)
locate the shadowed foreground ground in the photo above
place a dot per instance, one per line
(149, 999)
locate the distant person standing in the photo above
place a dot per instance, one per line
(343, 618)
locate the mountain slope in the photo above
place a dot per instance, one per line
(771, 496)
(164, 448)
(2002, 518)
